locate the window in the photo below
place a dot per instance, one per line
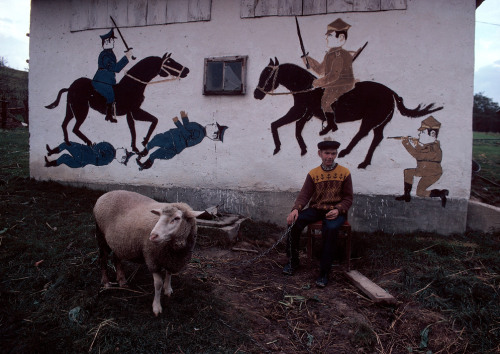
(225, 76)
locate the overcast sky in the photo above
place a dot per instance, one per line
(14, 24)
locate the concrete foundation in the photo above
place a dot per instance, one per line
(368, 213)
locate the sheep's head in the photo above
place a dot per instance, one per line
(168, 226)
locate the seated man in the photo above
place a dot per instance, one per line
(328, 190)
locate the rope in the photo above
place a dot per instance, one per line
(151, 83)
(252, 260)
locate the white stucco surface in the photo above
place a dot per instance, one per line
(424, 53)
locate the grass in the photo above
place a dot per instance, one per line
(51, 301)
(486, 151)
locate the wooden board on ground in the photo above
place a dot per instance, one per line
(372, 290)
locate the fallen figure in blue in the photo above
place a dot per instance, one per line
(166, 145)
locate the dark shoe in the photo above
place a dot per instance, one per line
(52, 151)
(290, 269)
(441, 193)
(322, 281)
(50, 163)
(144, 166)
(110, 113)
(406, 198)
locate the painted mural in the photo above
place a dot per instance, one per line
(335, 97)
(427, 152)
(76, 155)
(104, 95)
(166, 145)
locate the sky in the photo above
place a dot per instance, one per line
(14, 44)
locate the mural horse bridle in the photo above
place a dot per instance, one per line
(370, 102)
(129, 95)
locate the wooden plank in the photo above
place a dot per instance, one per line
(247, 8)
(366, 5)
(98, 14)
(314, 7)
(157, 12)
(339, 6)
(177, 11)
(136, 12)
(289, 7)
(79, 16)
(199, 10)
(393, 5)
(118, 9)
(372, 290)
(266, 8)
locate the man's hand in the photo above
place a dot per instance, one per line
(332, 214)
(129, 54)
(292, 217)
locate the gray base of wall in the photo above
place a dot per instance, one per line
(483, 217)
(368, 213)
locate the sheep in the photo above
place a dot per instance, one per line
(140, 229)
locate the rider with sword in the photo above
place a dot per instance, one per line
(105, 77)
(335, 69)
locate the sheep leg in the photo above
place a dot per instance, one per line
(158, 283)
(103, 256)
(167, 286)
(120, 274)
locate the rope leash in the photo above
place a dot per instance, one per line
(252, 260)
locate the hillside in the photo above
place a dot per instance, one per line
(14, 90)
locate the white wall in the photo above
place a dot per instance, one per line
(424, 53)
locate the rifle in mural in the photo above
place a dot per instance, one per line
(414, 140)
(121, 36)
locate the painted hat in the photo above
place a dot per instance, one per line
(110, 34)
(337, 25)
(328, 144)
(220, 133)
(429, 123)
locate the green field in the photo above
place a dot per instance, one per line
(486, 152)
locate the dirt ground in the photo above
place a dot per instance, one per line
(290, 314)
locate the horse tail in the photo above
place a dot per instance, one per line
(419, 111)
(56, 102)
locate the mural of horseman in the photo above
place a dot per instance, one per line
(124, 98)
(371, 102)
(334, 98)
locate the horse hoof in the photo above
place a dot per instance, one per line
(303, 152)
(276, 151)
(343, 153)
(363, 165)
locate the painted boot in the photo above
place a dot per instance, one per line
(144, 165)
(50, 163)
(52, 151)
(406, 197)
(441, 193)
(110, 112)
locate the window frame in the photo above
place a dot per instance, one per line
(243, 59)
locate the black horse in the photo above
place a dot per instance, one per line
(368, 101)
(129, 95)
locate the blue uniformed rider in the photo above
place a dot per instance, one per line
(105, 77)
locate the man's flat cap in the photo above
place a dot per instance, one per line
(325, 145)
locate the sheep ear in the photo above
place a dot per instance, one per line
(156, 211)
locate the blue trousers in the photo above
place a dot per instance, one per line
(330, 232)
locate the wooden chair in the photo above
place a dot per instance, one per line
(314, 231)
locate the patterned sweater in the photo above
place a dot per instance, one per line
(326, 190)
